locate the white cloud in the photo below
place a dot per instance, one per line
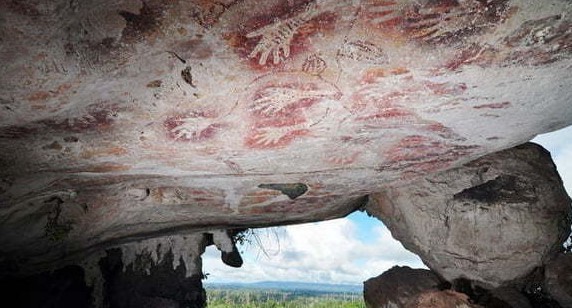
(325, 252)
(559, 143)
(564, 164)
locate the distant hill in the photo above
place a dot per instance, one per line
(289, 286)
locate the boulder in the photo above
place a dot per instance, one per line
(508, 297)
(491, 221)
(398, 286)
(441, 299)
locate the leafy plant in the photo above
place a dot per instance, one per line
(262, 239)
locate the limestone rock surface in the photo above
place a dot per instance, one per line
(491, 221)
(129, 121)
(145, 283)
(123, 120)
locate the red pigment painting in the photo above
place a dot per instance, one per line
(375, 105)
(441, 21)
(362, 51)
(416, 155)
(345, 150)
(98, 117)
(303, 205)
(207, 12)
(501, 105)
(539, 42)
(474, 54)
(378, 107)
(314, 65)
(269, 40)
(16, 132)
(287, 97)
(535, 42)
(194, 126)
(273, 137)
(276, 105)
(183, 195)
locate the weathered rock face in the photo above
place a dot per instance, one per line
(127, 120)
(150, 279)
(399, 286)
(558, 279)
(63, 287)
(403, 287)
(491, 222)
(508, 297)
(441, 299)
(145, 283)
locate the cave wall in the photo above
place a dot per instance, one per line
(144, 282)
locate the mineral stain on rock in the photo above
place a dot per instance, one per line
(187, 76)
(504, 188)
(292, 190)
(56, 229)
(139, 25)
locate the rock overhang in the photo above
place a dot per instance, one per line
(144, 118)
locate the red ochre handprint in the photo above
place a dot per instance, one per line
(439, 21)
(195, 126)
(276, 38)
(274, 137)
(278, 99)
(283, 107)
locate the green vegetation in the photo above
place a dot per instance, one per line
(261, 298)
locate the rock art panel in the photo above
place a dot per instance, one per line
(98, 116)
(276, 38)
(283, 107)
(362, 51)
(207, 13)
(282, 32)
(435, 22)
(540, 41)
(377, 109)
(195, 126)
(167, 116)
(535, 42)
(314, 65)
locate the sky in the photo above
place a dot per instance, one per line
(348, 250)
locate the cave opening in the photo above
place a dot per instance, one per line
(296, 264)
